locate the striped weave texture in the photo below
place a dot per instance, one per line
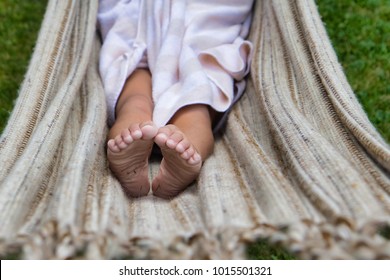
(298, 162)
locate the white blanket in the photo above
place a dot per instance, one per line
(195, 50)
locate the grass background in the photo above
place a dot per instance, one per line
(360, 33)
(358, 29)
(19, 24)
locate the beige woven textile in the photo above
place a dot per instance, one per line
(299, 161)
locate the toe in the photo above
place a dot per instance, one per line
(162, 136)
(122, 145)
(167, 130)
(135, 131)
(195, 159)
(188, 153)
(118, 140)
(149, 130)
(112, 146)
(174, 139)
(161, 139)
(126, 136)
(182, 146)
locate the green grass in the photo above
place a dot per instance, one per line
(359, 31)
(19, 24)
(263, 250)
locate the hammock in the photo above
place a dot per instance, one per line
(299, 162)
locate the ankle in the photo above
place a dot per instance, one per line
(136, 106)
(206, 147)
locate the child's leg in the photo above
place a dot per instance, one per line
(131, 136)
(185, 142)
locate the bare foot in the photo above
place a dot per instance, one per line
(181, 163)
(128, 154)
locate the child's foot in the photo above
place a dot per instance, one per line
(128, 155)
(181, 163)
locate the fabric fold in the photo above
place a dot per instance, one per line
(225, 62)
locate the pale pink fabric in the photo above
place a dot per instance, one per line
(195, 50)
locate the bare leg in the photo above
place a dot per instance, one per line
(185, 143)
(131, 136)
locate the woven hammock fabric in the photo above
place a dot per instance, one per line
(299, 162)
